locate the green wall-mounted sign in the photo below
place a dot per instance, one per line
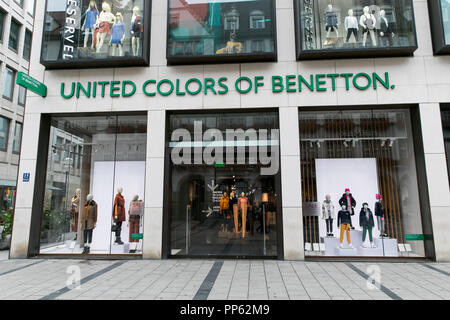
(32, 84)
(221, 86)
(418, 237)
(136, 236)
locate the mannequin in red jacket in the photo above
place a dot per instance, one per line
(119, 214)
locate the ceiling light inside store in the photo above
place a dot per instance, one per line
(345, 144)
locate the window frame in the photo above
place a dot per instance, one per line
(111, 62)
(14, 73)
(226, 58)
(8, 122)
(27, 31)
(15, 136)
(2, 27)
(437, 28)
(344, 53)
(16, 50)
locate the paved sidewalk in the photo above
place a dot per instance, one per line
(221, 279)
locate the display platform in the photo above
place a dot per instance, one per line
(384, 247)
(347, 252)
(120, 248)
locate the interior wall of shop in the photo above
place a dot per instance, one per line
(422, 79)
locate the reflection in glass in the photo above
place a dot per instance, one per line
(92, 161)
(353, 158)
(445, 115)
(225, 209)
(220, 28)
(445, 9)
(93, 30)
(347, 24)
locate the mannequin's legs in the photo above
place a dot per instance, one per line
(244, 219)
(372, 36)
(86, 37)
(118, 232)
(87, 240)
(120, 50)
(114, 49)
(236, 218)
(345, 228)
(133, 45)
(100, 40)
(364, 39)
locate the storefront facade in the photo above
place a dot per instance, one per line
(234, 129)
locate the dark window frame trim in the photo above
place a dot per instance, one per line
(18, 35)
(143, 61)
(14, 138)
(2, 32)
(437, 28)
(7, 134)
(406, 51)
(13, 84)
(225, 58)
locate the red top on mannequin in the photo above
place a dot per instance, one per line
(119, 208)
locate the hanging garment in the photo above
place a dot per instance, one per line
(90, 214)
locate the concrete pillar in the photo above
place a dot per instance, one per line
(437, 178)
(25, 190)
(154, 185)
(291, 185)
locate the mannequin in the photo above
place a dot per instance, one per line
(331, 22)
(368, 21)
(243, 206)
(349, 202)
(343, 221)
(366, 221)
(117, 36)
(74, 211)
(225, 210)
(328, 214)
(104, 20)
(136, 30)
(379, 213)
(351, 25)
(89, 222)
(385, 34)
(134, 217)
(231, 47)
(234, 205)
(118, 214)
(89, 23)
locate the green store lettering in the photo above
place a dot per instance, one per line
(221, 86)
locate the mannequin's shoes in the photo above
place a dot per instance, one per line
(119, 241)
(341, 246)
(364, 245)
(352, 228)
(372, 245)
(88, 250)
(84, 250)
(350, 245)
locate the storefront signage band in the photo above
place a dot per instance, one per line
(220, 86)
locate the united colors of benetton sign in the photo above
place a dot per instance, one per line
(221, 85)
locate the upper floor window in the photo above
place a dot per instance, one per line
(22, 96)
(440, 25)
(2, 22)
(94, 33)
(30, 7)
(27, 45)
(257, 20)
(8, 83)
(354, 28)
(4, 132)
(19, 2)
(17, 137)
(214, 31)
(14, 33)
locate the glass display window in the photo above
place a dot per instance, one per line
(221, 31)
(220, 201)
(359, 184)
(440, 25)
(354, 28)
(94, 189)
(94, 33)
